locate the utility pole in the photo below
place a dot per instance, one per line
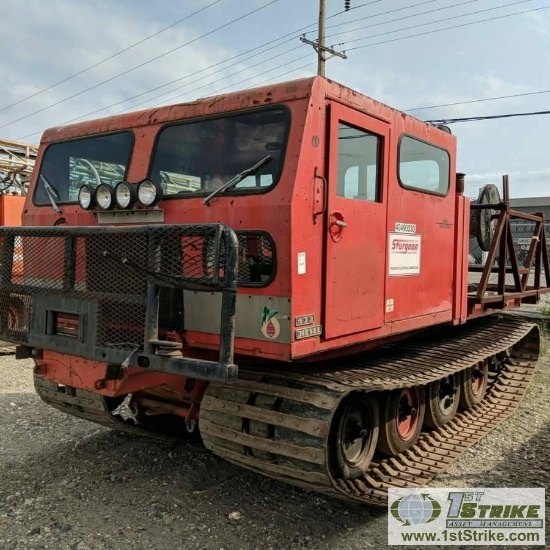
(321, 38)
(319, 45)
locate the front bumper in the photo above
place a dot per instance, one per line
(103, 293)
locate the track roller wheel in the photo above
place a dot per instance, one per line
(442, 400)
(474, 385)
(354, 433)
(401, 417)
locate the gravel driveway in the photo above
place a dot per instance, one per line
(67, 484)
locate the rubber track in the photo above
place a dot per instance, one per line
(278, 423)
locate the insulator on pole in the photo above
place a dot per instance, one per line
(347, 5)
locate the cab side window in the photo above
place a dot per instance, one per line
(423, 167)
(358, 164)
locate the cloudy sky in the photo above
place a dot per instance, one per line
(407, 55)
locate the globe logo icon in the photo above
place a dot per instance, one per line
(415, 509)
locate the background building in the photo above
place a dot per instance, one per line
(532, 205)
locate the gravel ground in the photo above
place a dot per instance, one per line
(67, 484)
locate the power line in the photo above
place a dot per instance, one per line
(246, 79)
(276, 77)
(82, 71)
(382, 13)
(441, 21)
(417, 15)
(293, 35)
(263, 45)
(194, 89)
(284, 36)
(481, 100)
(141, 64)
(190, 75)
(215, 81)
(279, 76)
(240, 81)
(164, 85)
(187, 76)
(490, 117)
(444, 28)
(319, 44)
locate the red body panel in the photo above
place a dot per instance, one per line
(345, 284)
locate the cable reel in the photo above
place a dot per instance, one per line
(483, 221)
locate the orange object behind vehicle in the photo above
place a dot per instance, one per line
(11, 210)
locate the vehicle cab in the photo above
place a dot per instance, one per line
(347, 227)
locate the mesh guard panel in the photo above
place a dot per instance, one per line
(110, 278)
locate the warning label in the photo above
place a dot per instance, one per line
(404, 254)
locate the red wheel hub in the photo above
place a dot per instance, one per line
(407, 413)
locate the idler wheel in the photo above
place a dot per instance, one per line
(443, 397)
(401, 417)
(354, 434)
(474, 385)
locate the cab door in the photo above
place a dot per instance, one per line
(356, 223)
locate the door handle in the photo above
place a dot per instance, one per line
(337, 225)
(320, 195)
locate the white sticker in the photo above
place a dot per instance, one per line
(404, 254)
(308, 332)
(389, 305)
(305, 320)
(301, 263)
(405, 227)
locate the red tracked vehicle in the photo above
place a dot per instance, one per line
(308, 234)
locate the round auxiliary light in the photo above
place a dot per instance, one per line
(125, 194)
(149, 192)
(105, 196)
(86, 197)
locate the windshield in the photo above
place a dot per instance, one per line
(201, 156)
(70, 164)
